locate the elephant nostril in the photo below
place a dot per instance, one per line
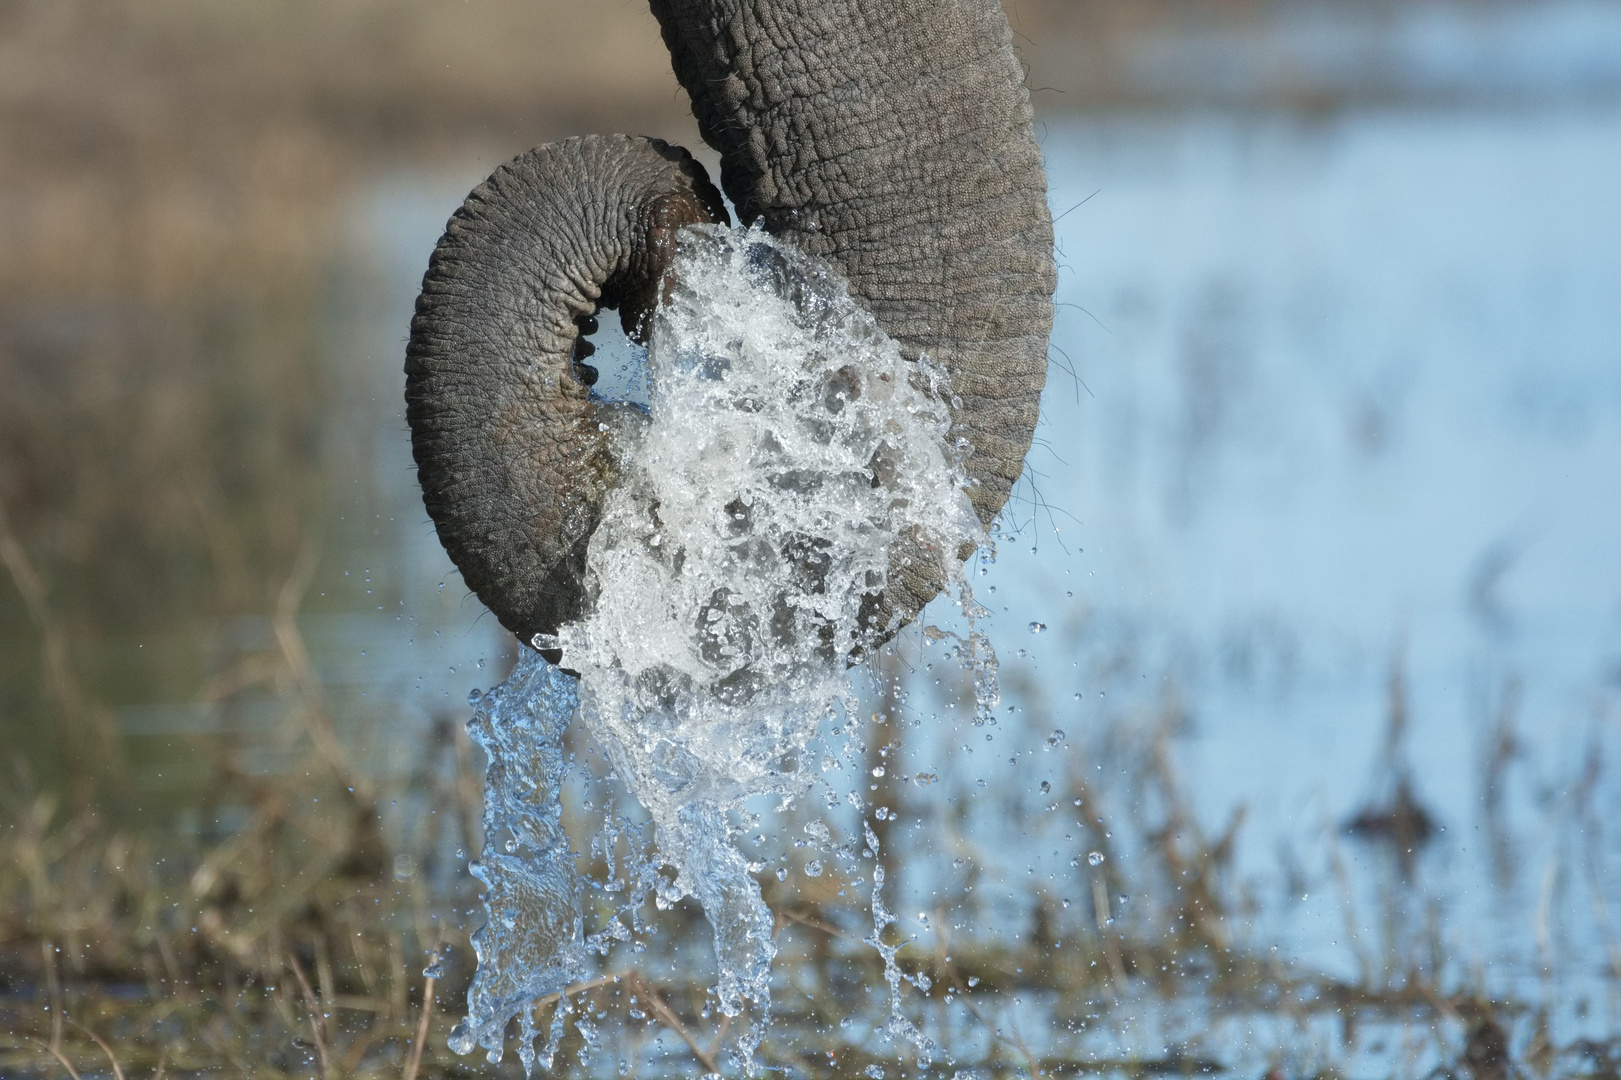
(562, 229)
(584, 349)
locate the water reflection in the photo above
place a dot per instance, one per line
(1321, 520)
(1319, 530)
(1335, 481)
(1321, 525)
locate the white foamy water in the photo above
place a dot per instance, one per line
(786, 445)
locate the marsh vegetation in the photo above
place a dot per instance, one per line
(1352, 810)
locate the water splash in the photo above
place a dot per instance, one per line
(530, 947)
(786, 445)
(898, 1027)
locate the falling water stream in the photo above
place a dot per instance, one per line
(786, 444)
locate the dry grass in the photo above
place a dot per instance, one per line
(172, 175)
(295, 945)
(170, 181)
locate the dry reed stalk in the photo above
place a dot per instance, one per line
(421, 1038)
(56, 1053)
(112, 1058)
(53, 992)
(317, 1017)
(644, 989)
(91, 726)
(317, 720)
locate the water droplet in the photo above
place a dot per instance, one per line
(973, 980)
(813, 868)
(1095, 858)
(782, 873)
(878, 770)
(474, 696)
(1045, 787)
(1037, 627)
(1055, 738)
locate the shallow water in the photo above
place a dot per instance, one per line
(1343, 430)
(785, 447)
(1352, 394)
(1328, 495)
(1345, 421)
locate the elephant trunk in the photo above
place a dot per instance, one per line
(511, 454)
(891, 137)
(894, 139)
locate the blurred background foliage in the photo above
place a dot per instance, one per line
(173, 179)
(172, 187)
(187, 485)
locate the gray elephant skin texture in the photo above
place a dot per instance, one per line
(892, 138)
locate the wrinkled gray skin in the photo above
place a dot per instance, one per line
(891, 137)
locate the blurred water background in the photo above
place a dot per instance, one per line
(1320, 533)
